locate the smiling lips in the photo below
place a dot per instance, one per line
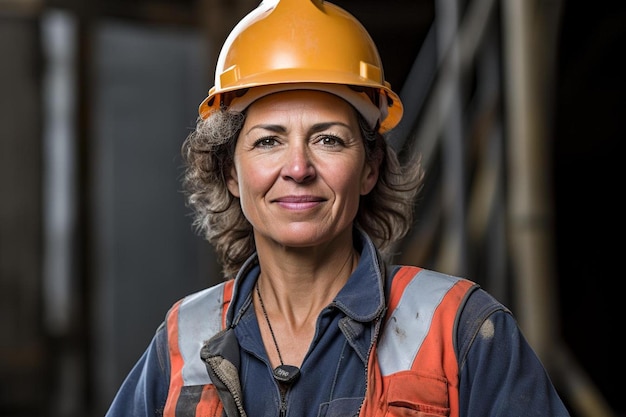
(297, 202)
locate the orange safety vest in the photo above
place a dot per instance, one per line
(413, 365)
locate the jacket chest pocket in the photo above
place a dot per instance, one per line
(411, 394)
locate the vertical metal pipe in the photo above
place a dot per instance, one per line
(527, 40)
(452, 258)
(529, 216)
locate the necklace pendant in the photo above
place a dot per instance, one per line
(287, 374)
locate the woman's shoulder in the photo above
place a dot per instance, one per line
(474, 305)
(207, 300)
(422, 280)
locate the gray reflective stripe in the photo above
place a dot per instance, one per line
(410, 322)
(199, 318)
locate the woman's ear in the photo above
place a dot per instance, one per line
(370, 174)
(232, 182)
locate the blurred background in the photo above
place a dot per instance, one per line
(516, 108)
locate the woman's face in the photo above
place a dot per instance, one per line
(300, 168)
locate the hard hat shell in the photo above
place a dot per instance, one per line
(310, 42)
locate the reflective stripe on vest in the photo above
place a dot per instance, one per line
(415, 365)
(191, 392)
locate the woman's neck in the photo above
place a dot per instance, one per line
(294, 292)
(297, 283)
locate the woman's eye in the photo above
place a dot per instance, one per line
(265, 142)
(330, 140)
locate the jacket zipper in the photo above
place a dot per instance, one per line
(283, 401)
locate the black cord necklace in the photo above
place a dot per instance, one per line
(287, 374)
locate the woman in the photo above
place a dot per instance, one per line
(293, 182)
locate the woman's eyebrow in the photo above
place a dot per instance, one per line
(326, 125)
(271, 127)
(318, 127)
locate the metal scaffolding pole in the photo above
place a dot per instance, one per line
(530, 216)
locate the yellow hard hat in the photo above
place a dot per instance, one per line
(303, 44)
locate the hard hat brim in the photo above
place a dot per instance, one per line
(388, 112)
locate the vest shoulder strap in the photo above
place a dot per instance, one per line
(420, 302)
(190, 321)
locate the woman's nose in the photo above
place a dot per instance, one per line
(298, 165)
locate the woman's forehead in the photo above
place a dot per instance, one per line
(303, 104)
